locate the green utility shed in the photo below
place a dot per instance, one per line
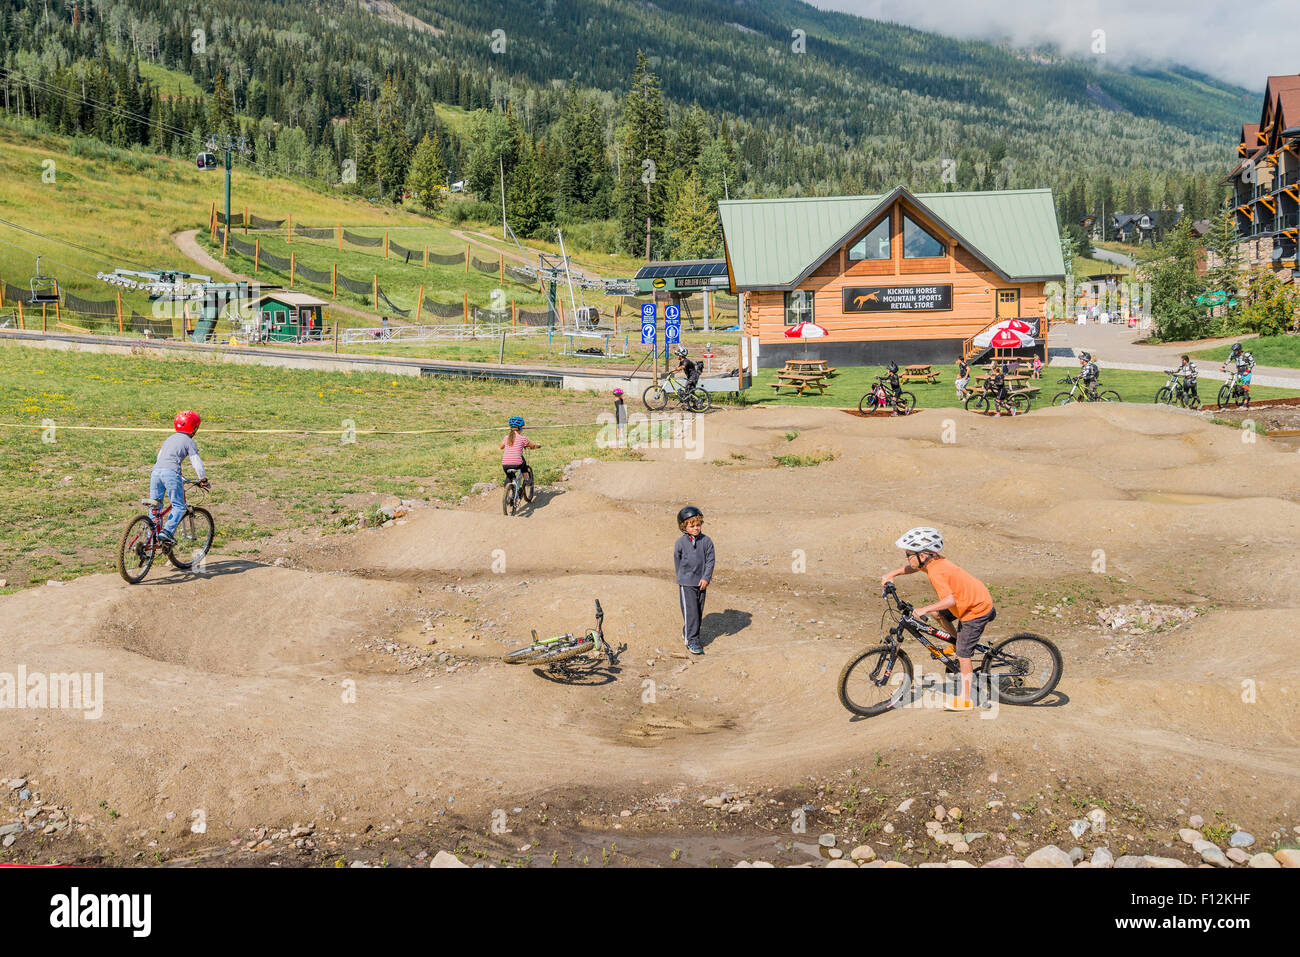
(290, 316)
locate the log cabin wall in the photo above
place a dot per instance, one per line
(871, 338)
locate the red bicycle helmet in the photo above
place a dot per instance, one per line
(187, 422)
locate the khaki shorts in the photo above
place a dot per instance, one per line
(968, 631)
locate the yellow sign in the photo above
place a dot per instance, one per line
(658, 284)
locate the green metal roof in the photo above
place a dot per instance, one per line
(778, 242)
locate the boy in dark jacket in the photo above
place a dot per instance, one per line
(693, 563)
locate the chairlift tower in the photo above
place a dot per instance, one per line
(227, 145)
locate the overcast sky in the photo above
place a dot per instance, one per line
(1242, 42)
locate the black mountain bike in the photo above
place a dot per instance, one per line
(1022, 669)
(1177, 392)
(692, 400)
(518, 491)
(1081, 393)
(1016, 403)
(900, 404)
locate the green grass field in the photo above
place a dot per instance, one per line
(1281, 351)
(851, 383)
(64, 502)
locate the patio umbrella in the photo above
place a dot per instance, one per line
(999, 338)
(1015, 325)
(806, 331)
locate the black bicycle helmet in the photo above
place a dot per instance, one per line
(1085, 356)
(893, 366)
(689, 512)
(1236, 347)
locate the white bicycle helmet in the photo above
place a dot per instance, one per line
(921, 539)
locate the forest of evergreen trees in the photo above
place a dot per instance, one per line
(613, 110)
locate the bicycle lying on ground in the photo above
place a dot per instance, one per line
(900, 404)
(550, 651)
(1084, 393)
(518, 490)
(693, 400)
(1177, 392)
(140, 544)
(1022, 669)
(1233, 394)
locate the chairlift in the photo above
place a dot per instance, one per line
(44, 288)
(206, 161)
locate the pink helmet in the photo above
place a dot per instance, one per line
(618, 391)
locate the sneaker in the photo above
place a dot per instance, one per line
(961, 705)
(694, 648)
(165, 539)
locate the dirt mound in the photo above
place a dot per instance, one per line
(365, 678)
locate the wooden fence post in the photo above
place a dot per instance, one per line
(419, 305)
(426, 255)
(212, 221)
(467, 309)
(225, 239)
(22, 322)
(336, 335)
(339, 229)
(257, 255)
(618, 307)
(293, 267)
(245, 220)
(334, 280)
(514, 313)
(120, 330)
(501, 267)
(44, 327)
(385, 244)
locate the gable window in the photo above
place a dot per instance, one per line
(874, 245)
(918, 242)
(798, 307)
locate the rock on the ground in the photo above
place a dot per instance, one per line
(1263, 859)
(1195, 821)
(1008, 861)
(1241, 839)
(863, 852)
(1237, 855)
(826, 840)
(1049, 856)
(1097, 818)
(1189, 836)
(1212, 855)
(1287, 857)
(1078, 828)
(1102, 857)
(1153, 861)
(1076, 855)
(841, 863)
(905, 806)
(1131, 860)
(443, 859)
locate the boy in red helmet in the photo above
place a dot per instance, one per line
(166, 474)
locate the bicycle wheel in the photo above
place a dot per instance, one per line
(905, 403)
(193, 538)
(699, 401)
(136, 550)
(1165, 396)
(521, 655)
(508, 498)
(528, 486)
(655, 398)
(1019, 403)
(865, 687)
(1062, 398)
(1024, 668)
(1110, 395)
(866, 405)
(1225, 396)
(566, 651)
(977, 403)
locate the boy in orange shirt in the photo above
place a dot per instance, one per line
(963, 600)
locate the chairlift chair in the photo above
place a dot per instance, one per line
(45, 289)
(206, 161)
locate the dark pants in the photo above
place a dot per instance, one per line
(692, 599)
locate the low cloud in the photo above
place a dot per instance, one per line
(1240, 43)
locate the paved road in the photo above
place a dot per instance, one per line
(1119, 259)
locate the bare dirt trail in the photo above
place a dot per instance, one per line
(186, 242)
(276, 693)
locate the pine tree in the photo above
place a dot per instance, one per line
(528, 196)
(1224, 273)
(426, 174)
(392, 149)
(640, 194)
(221, 119)
(364, 141)
(693, 222)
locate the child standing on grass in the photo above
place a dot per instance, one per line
(693, 563)
(620, 418)
(963, 379)
(963, 600)
(1038, 368)
(166, 474)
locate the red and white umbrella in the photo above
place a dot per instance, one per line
(1004, 339)
(806, 330)
(1016, 325)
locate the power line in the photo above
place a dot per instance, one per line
(88, 251)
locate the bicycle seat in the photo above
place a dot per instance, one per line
(151, 502)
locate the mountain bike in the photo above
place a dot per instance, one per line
(518, 490)
(140, 545)
(1085, 394)
(900, 404)
(1016, 403)
(692, 400)
(1021, 670)
(1232, 394)
(1177, 391)
(549, 651)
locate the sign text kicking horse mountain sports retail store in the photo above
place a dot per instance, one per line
(897, 298)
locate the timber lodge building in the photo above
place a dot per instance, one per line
(908, 277)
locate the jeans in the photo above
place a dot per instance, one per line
(172, 484)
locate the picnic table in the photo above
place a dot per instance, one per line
(918, 373)
(801, 381)
(806, 366)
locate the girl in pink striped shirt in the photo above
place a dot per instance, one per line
(512, 458)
